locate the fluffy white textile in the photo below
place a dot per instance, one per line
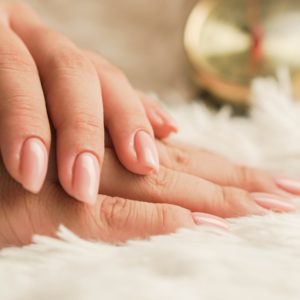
(258, 259)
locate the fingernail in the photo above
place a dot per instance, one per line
(34, 160)
(146, 151)
(289, 184)
(162, 119)
(168, 120)
(274, 202)
(154, 115)
(207, 219)
(86, 175)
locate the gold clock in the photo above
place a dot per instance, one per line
(230, 42)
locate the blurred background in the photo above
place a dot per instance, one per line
(142, 37)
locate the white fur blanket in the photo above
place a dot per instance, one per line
(258, 259)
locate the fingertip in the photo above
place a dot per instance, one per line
(289, 185)
(146, 152)
(86, 178)
(161, 122)
(274, 202)
(33, 164)
(210, 220)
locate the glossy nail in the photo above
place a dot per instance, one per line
(289, 184)
(156, 117)
(86, 173)
(207, 219)
(274, 202)
(168, 120)
(33, 167)
(146, 151)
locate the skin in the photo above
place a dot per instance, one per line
(130, 206)
(48, 81)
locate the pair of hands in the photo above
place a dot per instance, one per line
(193, 187)
(42, 72)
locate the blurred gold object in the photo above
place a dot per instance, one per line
(230, 42)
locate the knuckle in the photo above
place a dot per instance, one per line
(230, 200)
(112, 71)
(228, 195)
(18, 109)
(13, 60)
(84, 122)
(244, 175)
(163, 179)
(21, 118)
(69, 61)
(179, 156)
(115, 212)
(169, 218)
(250, 178)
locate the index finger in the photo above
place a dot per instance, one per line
(74, 103)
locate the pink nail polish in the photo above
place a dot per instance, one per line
(289, 184)
(274, 202)
(34, 161)
(146, 151)
(207, 219)
(168, 120)
(155, 116)
(162, 118)
(86, 173)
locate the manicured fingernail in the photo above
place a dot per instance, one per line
(146, 151)
(34, 160)
(168, 120)
(289, 184)
(207, 219)
(156, 117)
(162, 118)
(273, 202)
(86, 175)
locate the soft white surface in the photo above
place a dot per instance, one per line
(258, 259)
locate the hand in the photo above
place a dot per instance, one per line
(190, 184)
(45, 79)
(112, 219)
(201, 181)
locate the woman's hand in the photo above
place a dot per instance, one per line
(112, 219)
(191, 185)
(200, 181)
(45, 79)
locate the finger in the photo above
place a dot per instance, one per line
(289, 184)
(120, 219)
(162, 123)
(217, 169)
(74, 103)
(126, 120)
(188, 191)
(112, 219)
(24, 126)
